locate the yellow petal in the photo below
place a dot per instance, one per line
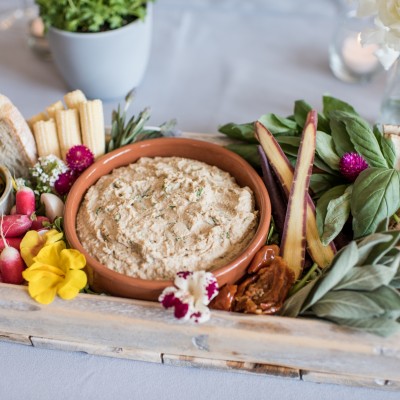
(36, 269)
(30, 246)
(52, 236)
(73, 283)
(72, 259)
(44, 289)
(50, 254)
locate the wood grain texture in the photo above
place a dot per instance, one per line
(143, 330)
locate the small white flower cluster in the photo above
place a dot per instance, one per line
(386, 33)
(46, 172)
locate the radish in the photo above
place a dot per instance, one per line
(54, 206)
(13, 242)
(37, 224)
(11, 266)
(16, 225)
(25, 201)
(284, 171)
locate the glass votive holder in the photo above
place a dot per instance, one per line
(349, 60)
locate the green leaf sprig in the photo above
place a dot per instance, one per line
(358, 290)
(90, 15)
(125, 132)
(372, 198)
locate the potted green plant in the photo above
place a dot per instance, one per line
(99, 46)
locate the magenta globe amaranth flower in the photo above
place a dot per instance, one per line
(65, 181)
(351, 165)
(79, 158)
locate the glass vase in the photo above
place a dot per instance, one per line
(390, 106)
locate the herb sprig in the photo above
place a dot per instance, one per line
(125, 132)
(358, 290)
(370, 199)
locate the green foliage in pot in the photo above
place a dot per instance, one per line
(90, 15)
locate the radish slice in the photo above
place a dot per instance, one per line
(54, 206)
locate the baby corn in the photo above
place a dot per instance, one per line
(73, 99)
(68, 130)
(52, 108)
(45, 133)
(38, 117)
(92, 125)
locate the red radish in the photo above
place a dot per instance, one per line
(25, 201)
(11, 266)
(284, 171)
(12, 242)
(37, 224)
(13, 210)
(14, 225)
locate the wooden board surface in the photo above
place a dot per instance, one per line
(296, 348)
(308, 350)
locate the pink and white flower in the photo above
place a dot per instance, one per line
(192, 293)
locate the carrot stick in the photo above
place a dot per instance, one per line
(284, 171)
(278, 202)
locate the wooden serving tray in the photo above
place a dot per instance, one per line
(296, 348)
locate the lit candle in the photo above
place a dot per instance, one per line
(360, 59)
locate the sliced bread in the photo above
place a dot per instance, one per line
(17, 144)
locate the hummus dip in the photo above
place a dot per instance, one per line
(162, 215)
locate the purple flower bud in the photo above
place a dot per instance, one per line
(351, 165)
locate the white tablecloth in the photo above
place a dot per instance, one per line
(212, 62)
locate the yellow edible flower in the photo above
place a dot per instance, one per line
(52, 268)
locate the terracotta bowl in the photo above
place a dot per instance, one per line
(6, 198)
(105, 280)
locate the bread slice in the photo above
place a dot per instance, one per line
(17, 144)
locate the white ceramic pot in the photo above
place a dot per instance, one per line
(104, 65)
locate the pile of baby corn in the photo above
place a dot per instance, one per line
(60, 127)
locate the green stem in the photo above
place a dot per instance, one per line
(396, 218)
(300, 284)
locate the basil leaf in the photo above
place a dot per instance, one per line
(289, 144)
(320, 183)
(347, 304)
(388, 299)
(375, 197)
(326, 150)
(243, 132)
(248, 151)
(330, 104)
(387, 147)
(344, 260)
(301, 109)
(278, 125)
(337, 214)
(367, 277)
(381, 326)
(367, 245)
(322, 205)
(363, 139)
(341, 139)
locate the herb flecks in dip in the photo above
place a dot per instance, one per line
(162, 215)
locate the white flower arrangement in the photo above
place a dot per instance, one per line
(386, 33)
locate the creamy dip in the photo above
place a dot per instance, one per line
(162, 215)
